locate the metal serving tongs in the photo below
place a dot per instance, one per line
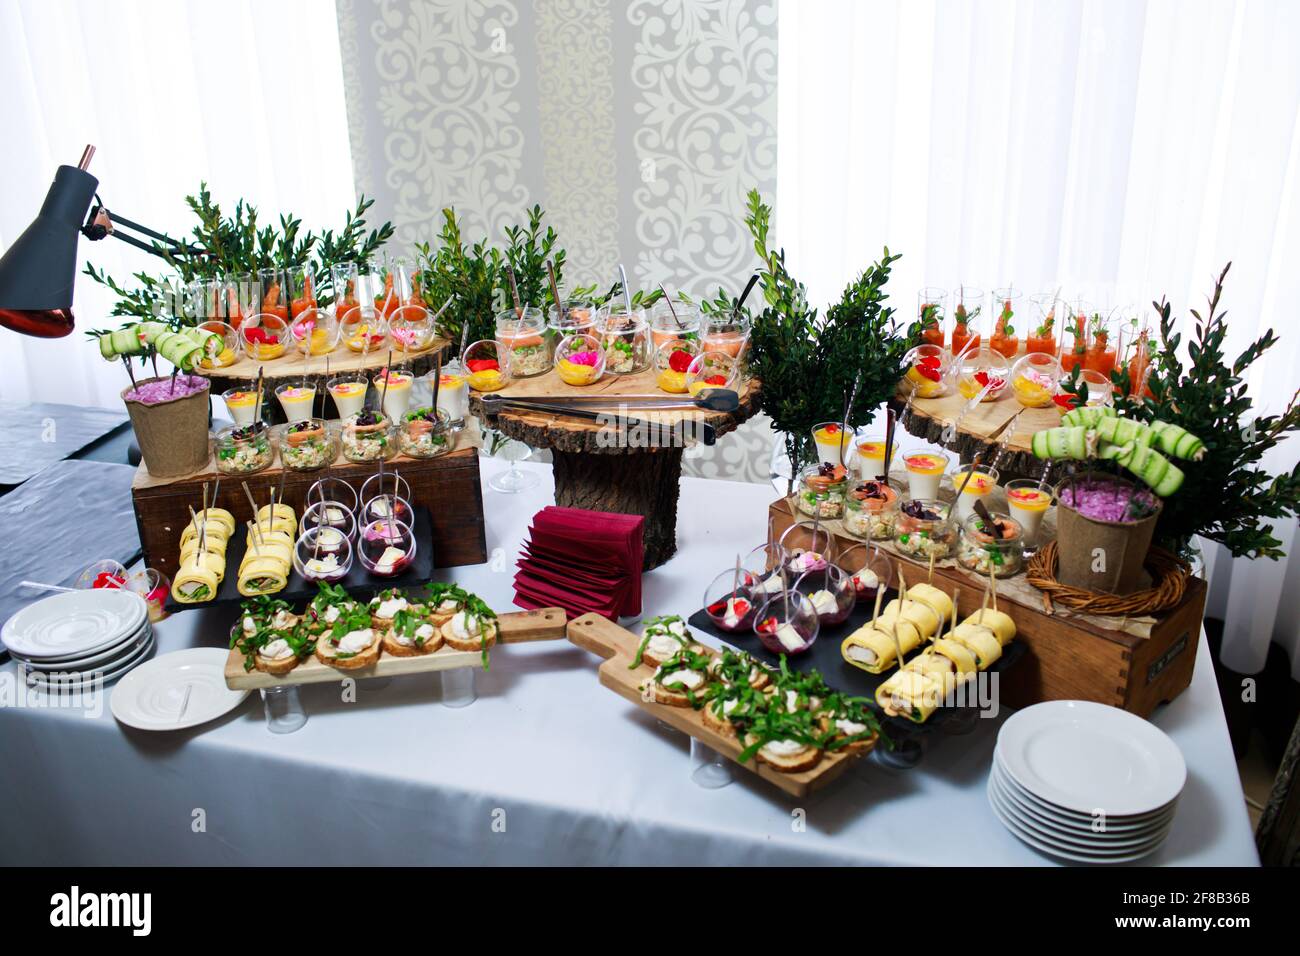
(711, 400)
(495, 404)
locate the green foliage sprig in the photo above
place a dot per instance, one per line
(1226, 497)
(237, 244)
(807, 363)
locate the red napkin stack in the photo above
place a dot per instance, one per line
(582, 561)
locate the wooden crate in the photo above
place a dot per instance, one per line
(1070, 658)
(448, 486)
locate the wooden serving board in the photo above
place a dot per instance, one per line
(516, 627)
(618, 647)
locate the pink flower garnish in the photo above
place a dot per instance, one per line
(585, 358)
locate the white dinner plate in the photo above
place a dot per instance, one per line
(1084, 756)
(151, 696)
(1055, 850)
(1071, 818)
(73, 623)
(102, 659)
(1078, 834)
(104, 675)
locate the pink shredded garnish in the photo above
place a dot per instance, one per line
(152, 393)
(585, 358)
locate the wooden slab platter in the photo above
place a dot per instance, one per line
(294, 364)
(618, 647)
(516, 627)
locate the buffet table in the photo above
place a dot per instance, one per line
(547, 766)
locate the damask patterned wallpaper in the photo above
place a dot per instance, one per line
(637, 125)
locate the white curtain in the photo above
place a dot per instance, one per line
(1121, 150)
(247, 96)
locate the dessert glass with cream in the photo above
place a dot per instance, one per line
(732, 600)
(241, 402)
(834, 441)
(393, 385)
(453, 394)
(979, 487)
(831, 593)
(322, 554)
(1027, 503)
(787, 623)
(386, 547)
(869, 455)
(297, 401)
(925, 469)
(349, 393)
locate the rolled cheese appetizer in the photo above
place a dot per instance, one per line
(215, 532)
(195, 582)
(265, 575)
(215, 518)
(996, 621)
(980, 641)
(933, 598)
(216, 550)
(910, 694)
(281, 511)
(961, 656)
(874, 650)
(277, 525)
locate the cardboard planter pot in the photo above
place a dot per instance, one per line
(173, 433)
(1097, 555)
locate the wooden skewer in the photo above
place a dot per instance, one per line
(254, 536)
(993, 584)
(956, 595)
(898, 645)
(880, 594)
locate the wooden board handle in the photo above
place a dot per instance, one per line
(541, 624)
(601, 636)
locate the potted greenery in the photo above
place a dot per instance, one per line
(807, 362)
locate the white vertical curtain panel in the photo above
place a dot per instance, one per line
(1118, 149)
(245, 95)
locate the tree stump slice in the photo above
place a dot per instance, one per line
(981, 430)
(598, 468)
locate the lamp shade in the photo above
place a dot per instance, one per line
(38, 271)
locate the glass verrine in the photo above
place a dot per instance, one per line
(1101, 391)
(671, 363)
(672, 323)
(925, 469)
(344, 278)
(871, 509)
(453, 392)
(264, 336)
(425, 433)
(982, 371)
(1005, 339)
(241, 402)
(393, 386)
(927, 371)
(967, 318)
(712, 370)
(243, 296)
(337, 515)
(364, 331)
(579, 359)
(625, 338)
(1074, 340)
(1035, 379)
(488, 365)
(831, 593)
(386, 548)
(348, 390)
(333, 489)
(833, 441)
(411, 329)
(868, 454)
(726, 332)
(804, 546)
(389, 483)
(244, 450)
(932, 313)
(275, 300)
(820, 491)
(322, 554)
(521, 336)
(924, 530)
(386, 506)
(1102, 343)
(869, 569)
(787, 623)
(297, 400)
(578, 317)
(307, 445)
(1040, 336)
(315, 331)
(368, 436)
(732, 599)
(225, 352)
(995, 550)
(979, 487)
(154, 587)
(105, 573)
(1028, 502)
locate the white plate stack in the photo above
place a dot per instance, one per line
(1086, 782)
(69, 641)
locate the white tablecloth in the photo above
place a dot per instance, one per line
(546, 766)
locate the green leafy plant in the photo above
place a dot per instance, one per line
(471, 273)
(1227, 498)
(808, 363)
(236, 244)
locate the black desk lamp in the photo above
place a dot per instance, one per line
(38, 271)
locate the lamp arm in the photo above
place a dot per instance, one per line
(99, 224)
